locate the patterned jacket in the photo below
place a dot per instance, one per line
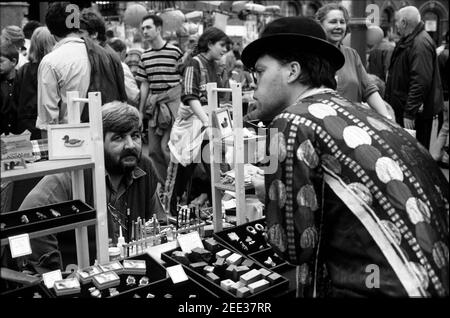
(356, 202)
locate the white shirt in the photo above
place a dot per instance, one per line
(65, 69)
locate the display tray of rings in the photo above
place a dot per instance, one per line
(111, 279)
(225, 272)
(166, 289)
(45, 217)
(32, 291)
(250, 239)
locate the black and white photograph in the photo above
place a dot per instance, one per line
(303, 143)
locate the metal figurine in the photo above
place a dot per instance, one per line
(24, 219)
(55, 213)
(41, 216)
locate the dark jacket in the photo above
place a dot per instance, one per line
(413, 77)
(444, 70)
(106, 74)
(25, 94)
(7, 105)
(140, 197)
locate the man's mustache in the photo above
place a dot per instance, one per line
(129, 152)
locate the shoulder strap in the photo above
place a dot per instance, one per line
(203, 70)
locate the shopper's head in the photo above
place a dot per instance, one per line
(119, 46)
(214, 42)
(41, 44)
(61, 19)
(8, 57)
(93, 25)
(122, 129)
(151, 27)
(334, 19)
(14, 34)
(406, 20)
(292, 54)
(29, 28)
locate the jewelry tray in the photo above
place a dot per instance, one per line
(13, 224)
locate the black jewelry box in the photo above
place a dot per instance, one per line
(154, 272)
(33, 291)
(258, 251)
(165, 289)
(45, 217)
(279, 287)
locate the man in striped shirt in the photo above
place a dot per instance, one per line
(160, 91)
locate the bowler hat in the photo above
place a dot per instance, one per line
(293, 33)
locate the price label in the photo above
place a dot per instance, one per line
(190, 241)
(177, 274)
(19, 245)
(51, 277)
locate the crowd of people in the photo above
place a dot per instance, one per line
(352, 186)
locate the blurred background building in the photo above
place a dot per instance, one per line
(242, 20)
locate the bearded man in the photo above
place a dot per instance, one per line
(130, 186)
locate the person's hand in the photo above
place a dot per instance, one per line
(409, 123)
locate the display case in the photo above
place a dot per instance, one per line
(51, 218)
(87, 215)
(225, 272)
(32, 291)
(238, 238)
(166, 289)
(106, 287)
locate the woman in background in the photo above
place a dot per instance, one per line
(25, 93)
(352, 80)
(192, 118)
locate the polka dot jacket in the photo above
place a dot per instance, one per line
(393, 178)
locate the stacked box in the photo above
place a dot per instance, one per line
(68, 286)
(106, 280)
(134, 267)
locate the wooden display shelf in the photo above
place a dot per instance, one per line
(43, 168)
(56, 229)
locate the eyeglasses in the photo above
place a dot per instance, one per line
(255, 75)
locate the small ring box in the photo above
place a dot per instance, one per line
(106, 280)
(85, 275)
(115, 266)
(134, 267)
(67, 286)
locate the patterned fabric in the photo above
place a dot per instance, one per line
(40, 149)
(398, 189)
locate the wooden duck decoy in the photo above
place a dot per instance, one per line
(72, 142)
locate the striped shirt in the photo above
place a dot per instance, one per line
(160, 68)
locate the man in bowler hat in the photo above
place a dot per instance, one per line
(356, 202)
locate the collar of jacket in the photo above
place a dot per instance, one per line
(407, 41)
(129, 178)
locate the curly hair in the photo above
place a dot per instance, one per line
(56, 19)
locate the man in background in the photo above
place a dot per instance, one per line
(160, 85)
(413, 85)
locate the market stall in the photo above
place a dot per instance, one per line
(206, 252)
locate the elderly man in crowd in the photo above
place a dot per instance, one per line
(413, 85)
